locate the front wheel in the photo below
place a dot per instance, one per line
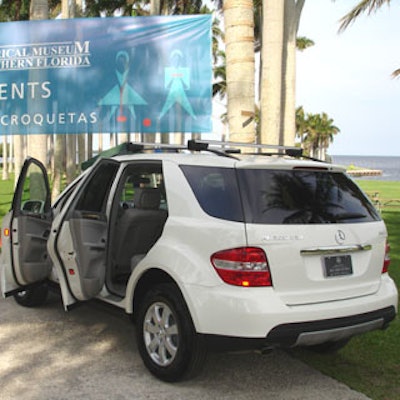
(34, 296)
(168, 344)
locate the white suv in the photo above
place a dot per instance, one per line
(205, 250)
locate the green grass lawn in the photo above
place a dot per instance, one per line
(6, 194)
(369, 363)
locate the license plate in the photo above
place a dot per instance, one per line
(338, 266)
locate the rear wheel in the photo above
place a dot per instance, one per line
(167, 341)
(32, 297)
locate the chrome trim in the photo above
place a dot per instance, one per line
(335, 250)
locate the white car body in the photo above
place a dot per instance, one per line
(303, 306)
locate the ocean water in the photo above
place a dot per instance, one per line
(389, 165)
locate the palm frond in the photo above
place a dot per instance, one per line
(364, 6)
(396, 73)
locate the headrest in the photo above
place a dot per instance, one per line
(147, 198)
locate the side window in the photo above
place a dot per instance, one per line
(34, 196)
(138, 177)
(94, 195)
(64, 197)
(216, 190)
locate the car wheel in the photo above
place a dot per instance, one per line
(168, 344)
(32, 297)
(329, 347)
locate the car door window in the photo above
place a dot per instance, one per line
(34, 192)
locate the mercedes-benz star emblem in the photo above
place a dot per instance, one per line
(340, 237)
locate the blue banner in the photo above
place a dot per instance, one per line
(130, 74)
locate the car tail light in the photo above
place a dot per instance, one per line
(242, 266)
(386, 260)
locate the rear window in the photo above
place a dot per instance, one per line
(279, 196)
(302, 197)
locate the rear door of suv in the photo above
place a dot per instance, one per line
(323, 239)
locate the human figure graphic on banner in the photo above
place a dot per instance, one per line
(122, 96)
(177, 80)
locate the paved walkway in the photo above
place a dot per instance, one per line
(90, 353)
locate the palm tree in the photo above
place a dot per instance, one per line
(319, 132)
(280, 26)
(37, 144)
(303, 43)
(364, 6)
(301, 123)
(240, 68)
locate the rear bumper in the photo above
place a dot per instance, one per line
(307, 333)
(329, 330)
(260, 313)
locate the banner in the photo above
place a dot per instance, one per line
(128, 74)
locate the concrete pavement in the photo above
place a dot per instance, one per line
(90, 353)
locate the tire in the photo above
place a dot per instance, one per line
(32, 297)
(167, 342)
(329, 347)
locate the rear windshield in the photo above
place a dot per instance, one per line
(262, 196)
(303, 196)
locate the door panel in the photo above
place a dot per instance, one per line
(80, 240)
(32, 262)
(25, 260)
(85, 260)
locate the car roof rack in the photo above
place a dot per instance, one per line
(221, 148)
(236, 148)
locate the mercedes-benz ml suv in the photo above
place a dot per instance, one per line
(248, 250)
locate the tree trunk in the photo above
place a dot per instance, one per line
(37, 144)
(11, 164)
(5, 158)
(59, 160)
(81, 150)
(155, 7)
(71, 157)
(240, 69)
(89, 146)
(271, 74)
(100, 140)
(278, 100)
(291, 25)
(19, 155)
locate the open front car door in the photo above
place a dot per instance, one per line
(25, 261)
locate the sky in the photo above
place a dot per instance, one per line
(348, 75)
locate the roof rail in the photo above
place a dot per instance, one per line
(234, 147)
(131, 148)
(225, 149)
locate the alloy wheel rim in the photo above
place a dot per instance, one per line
(161, 334)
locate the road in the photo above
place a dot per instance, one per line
(90, 353)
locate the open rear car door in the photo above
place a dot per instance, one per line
(25, 261)
(78, 238)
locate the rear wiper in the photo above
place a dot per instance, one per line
(342, 216)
